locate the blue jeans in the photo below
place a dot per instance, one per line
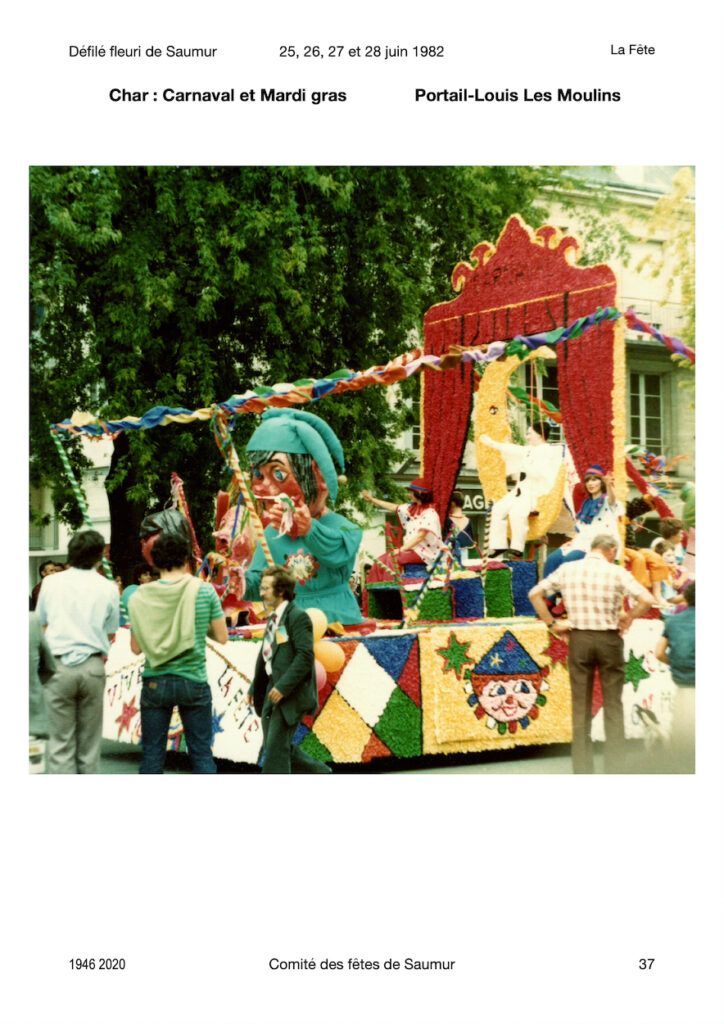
(159, 696)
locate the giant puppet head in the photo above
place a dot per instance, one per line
(295, 459)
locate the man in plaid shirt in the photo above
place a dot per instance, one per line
(593, 590)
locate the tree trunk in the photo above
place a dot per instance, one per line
(126, 516)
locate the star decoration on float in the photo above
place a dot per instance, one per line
(455, 655)
(634, 670)
(126, 716)
(557, 651)
(216, 725)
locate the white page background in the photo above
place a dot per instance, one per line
(545, 890)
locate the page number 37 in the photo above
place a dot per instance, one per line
(646, 964)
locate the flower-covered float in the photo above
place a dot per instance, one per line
(465, 666)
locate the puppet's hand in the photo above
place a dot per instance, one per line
(296, 522)
(302, 522)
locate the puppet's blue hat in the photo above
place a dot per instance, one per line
(301, 433)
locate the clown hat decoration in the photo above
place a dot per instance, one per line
(506, 658)
(505, 687)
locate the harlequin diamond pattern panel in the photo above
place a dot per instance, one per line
(372, 707)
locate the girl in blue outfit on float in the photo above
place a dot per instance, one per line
(599, 513)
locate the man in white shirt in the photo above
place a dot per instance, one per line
(80, 609)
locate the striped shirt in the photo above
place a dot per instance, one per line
(593, 590)
(191, 664)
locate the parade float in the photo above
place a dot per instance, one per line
(447, 660)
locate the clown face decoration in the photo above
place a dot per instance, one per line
(506, 687)
(508, 700)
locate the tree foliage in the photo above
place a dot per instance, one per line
(181, 286)
(602, 232)
(672, 221)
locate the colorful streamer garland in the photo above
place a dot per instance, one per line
(412, 611)
(401, 368)
(675, 345)
(79, 497)
(227, 449)
(179, 498)
(522, 344)
(522, 397)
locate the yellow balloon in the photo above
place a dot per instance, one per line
(330, 655)
(319, 622)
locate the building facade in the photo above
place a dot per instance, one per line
(660, 395)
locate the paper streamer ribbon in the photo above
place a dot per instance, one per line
(406, 365)
(226, 446)
(412, 612)
(675, 345)
(533, 402)
(179, 497)
(522, 344)
(79, 497)
(485, 553)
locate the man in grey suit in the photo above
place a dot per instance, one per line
(284, 687)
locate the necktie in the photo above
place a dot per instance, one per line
(266, 647)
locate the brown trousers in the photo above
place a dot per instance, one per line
(590, 649)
